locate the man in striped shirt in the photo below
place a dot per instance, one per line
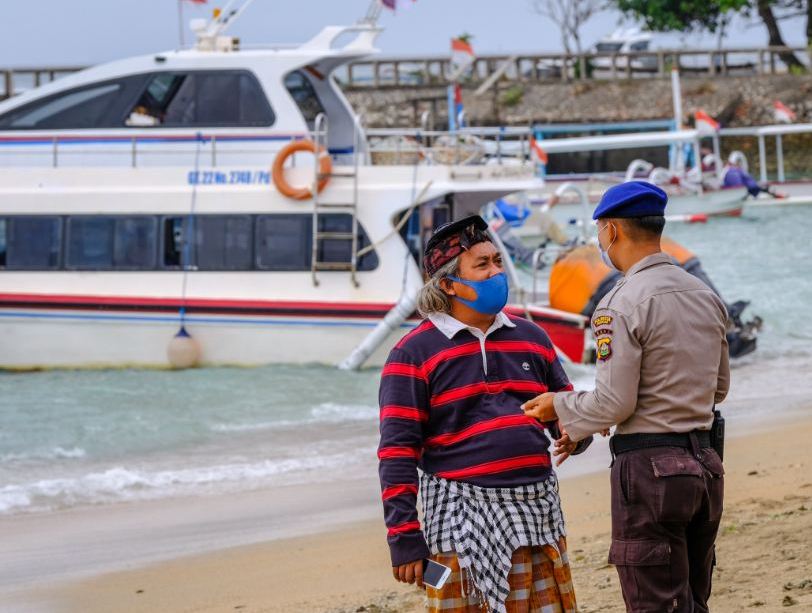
(450, 400)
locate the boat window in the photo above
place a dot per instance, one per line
(608, 47)
(90, 243)
(134, 243)
(639, 46)
(284, 242)
(305, 96)
(172, 242)
(34, 243)
(101, 105)
(2, 242)
(201, 99)
(105, 243)
(223, 242)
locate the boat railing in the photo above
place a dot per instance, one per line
(762, 133)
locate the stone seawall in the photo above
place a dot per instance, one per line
(733, 101)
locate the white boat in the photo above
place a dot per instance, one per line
(136, 197)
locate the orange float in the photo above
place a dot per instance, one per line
(325, 165)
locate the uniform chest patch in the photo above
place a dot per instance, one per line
(604, 348)
(601, 320)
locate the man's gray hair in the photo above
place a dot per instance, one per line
(432, 298)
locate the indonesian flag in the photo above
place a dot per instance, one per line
(390, 4)
(197, 1)
(462, 55)
(705, 124)
(782, 113)
(538, 152)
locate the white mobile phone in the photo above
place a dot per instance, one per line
(435, 575)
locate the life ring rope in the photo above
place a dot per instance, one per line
(324, 165)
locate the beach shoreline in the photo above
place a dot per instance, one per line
(273, 551)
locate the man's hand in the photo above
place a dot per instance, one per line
(564, 447)
(541, 407)
(409, 573)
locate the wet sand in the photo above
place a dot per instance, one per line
(764, 551)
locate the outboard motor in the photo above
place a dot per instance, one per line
(579, 280)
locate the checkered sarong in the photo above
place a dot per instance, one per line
(484, 526)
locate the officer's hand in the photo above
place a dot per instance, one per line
(410, 572)
(541, 407)
(564, 447)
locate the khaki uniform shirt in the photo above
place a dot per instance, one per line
(662, 355)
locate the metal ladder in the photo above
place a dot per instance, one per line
(320, 208)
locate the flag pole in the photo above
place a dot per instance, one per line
(180, 24)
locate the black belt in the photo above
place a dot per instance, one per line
(621, 443)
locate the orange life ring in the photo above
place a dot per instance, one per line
(278, 170)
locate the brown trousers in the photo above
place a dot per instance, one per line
(666, 508)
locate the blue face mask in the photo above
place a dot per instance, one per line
(605, 254)
(491, 294)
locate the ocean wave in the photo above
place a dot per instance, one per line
(326, 412)
(122, 484)
(56, 453)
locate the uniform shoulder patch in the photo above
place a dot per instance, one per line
(601, 320)
(603, 332)
(604, 348)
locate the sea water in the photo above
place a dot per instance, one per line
(77, 438)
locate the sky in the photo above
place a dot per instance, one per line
(38, 33)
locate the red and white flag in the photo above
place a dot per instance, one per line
(705, 124)
(782, 113)
(390, 4)
(197, 1)
(538, 152)
(462, 56)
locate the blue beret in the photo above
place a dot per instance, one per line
(631, 199)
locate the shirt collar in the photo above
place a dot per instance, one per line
(649, 261)
(449, 325)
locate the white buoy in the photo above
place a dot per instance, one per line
(183, 351)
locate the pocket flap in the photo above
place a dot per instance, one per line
(646, 552)
(675, 465)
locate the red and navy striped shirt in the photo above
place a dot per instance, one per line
(451, 405)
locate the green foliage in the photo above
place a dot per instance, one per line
(513, 96)
(667, 15)
(466, 37)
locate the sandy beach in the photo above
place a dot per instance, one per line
(764, 551)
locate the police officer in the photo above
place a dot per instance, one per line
(662, 365)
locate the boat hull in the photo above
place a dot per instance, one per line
(52, 332)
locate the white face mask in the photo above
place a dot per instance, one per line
(605, 253)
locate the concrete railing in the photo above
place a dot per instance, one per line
(17, 80)
(426, 71)
(437, 70)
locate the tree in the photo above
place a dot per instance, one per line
(711, 15)
(569, 16)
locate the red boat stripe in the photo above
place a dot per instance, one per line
(398, 490)
(409, 526)
(498, 466)
(497, 423)
(387, 453)
(399, 412)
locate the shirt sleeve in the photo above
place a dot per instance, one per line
(617, 377)
(723, 378)
(404, 404)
